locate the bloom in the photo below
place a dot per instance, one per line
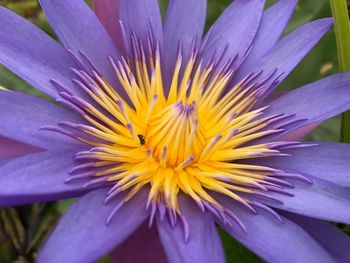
(162, 125)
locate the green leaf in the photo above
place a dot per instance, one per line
(342, 31)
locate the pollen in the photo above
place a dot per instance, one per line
(192, 136)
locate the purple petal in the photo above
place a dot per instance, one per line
(107, 12)
(204, 243)
(79, 30)
(33, 55)
(274, 241)
(322, 199)
(328, 236)
(289, 51)
(235, 30)
(147, 244)
(82, 235)
(23, 115)
(10, 148)
(138, 15)
(328, 161)
(315, 102)
(184, 21)
(273, 23)
(38, 177)
(299, 133)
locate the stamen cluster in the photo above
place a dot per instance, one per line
(192, 137)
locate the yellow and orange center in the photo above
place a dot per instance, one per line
(191, 139)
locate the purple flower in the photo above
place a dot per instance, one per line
(165, 127)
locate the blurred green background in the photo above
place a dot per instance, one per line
(23, 229)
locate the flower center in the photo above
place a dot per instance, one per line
(172, 133)
(190, 139)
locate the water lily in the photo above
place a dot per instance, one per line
(158, 126)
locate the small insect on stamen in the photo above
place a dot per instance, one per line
(142, 139)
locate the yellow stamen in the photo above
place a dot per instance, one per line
(188, 141)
